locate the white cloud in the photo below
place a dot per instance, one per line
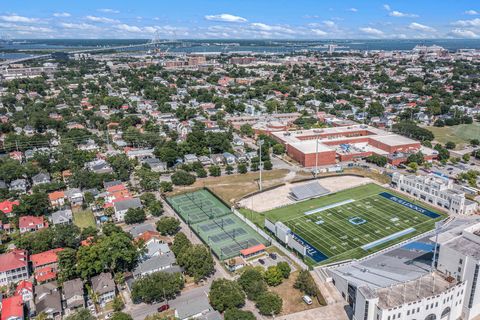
(371, 31)
(420, 27)
(462, 33)
(272, 28)
(468, 23)
(107, 10)
(101, 19)
(61, 14)
(128, 28)
(319, 32)
(472, 12)
(79, 26)
(17, 18)
(23, 29)
(225, 17)
(330, 24)
(387, 7)
(353, 10)
(399, 14)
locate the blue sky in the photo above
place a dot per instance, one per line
(240, 19)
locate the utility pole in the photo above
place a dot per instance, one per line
(260, 142)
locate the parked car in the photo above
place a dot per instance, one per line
(261, 261)
(163, 307)
(273, 256)
(307, 300)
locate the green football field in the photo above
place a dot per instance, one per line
(354, 222)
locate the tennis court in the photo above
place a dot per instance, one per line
(215, 224)
(195, 207)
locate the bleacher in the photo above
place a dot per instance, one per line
(307, 191)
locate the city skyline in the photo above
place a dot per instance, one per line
(249, 19)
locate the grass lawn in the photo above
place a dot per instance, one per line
(461, 134)
(84, 218)
(292, 298)
(338, 225)
(233, 187)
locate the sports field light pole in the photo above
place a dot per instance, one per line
(260, 143)
(316, 158)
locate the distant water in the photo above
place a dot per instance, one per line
(20, 48)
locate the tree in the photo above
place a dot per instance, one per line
(380, 161)
(466, 157)
(475, 142)
(284, 268)
(215, 171)
(168, 226)
(247, 130)
(242, 168)
(201, 172)
(197, 261)
(273, 276)
(226, 294)
(375, 109)
(157, 286)
(135, 215)
(121, 316)
(166, 186)
(228, 169)
(267, 165)
(182, 178)
(117, 304)
(67, 260)
(450, 145)
(418, 158)
(278, 149)
(81, 314)
(306, 284)
(180, 243)
(269, 303)
(237, 314)
(413, 166)
(252, 282)
(155, 208)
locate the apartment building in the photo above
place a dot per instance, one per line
(435, 190)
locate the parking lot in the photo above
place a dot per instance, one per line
(267, 260)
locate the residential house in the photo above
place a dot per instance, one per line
(104, 288)
(74, 196)
(229, 158)
(121, 207)
(18, 185)
(7, 206)
(25, 290)
(31, 223)
(140, 153)
(164, 262)
(217, 159)
(62, 217)
(140, 229)
(45, 265)
(155, 164)
(12, 308)
(48, 300)
(13, 267)
(40, 178)
(73, 295)
(57, 198)
(190, 158)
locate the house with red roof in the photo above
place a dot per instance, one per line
(12, 308)
(45, 265)
(31, 223)
(25, 290)
(13, 267)
(16, 155)
(45, 259)
(57, 198)
(7, 206)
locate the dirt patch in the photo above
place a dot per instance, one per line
(233, 187)
(292, 298)
(280, 196)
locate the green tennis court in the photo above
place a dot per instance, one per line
(215, 224)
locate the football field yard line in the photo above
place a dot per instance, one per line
(378, 216)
